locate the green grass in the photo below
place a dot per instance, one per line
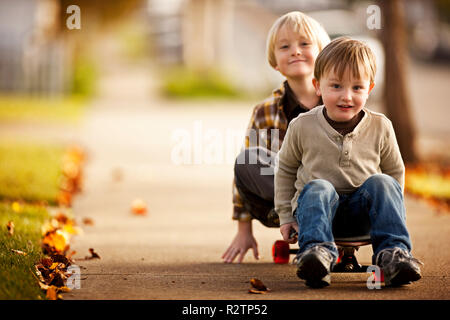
(85, 77)
(30, 172)
(17, 281)
(14, 108)
(187, 84)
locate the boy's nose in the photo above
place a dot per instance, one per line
(346, 95)
(297, 51)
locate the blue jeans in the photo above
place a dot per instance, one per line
(375, 208)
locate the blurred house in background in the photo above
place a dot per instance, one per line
(37, 54)
(165, 17)
(230, 35)
(34, 59)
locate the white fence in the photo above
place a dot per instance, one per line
(38, 69)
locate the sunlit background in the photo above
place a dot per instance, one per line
(193, 49)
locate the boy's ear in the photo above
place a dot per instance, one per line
(371, 86)
(316, 85)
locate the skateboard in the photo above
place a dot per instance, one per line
(346, 261)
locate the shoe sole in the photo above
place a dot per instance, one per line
(405, 275)
(314, 272)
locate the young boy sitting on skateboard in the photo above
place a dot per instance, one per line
(340, 170)
(292, 47)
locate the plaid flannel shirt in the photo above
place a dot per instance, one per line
(267, 115)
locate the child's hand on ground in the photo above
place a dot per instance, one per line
(243, 241)
(287, 230)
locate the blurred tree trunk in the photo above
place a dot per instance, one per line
(397, 103)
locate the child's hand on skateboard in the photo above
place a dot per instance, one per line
(289, 231)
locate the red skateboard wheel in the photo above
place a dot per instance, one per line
(280, 252)
(381, 276)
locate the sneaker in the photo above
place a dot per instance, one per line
(314, 266)
(399, 267)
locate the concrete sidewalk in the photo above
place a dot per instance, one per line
(174, 252)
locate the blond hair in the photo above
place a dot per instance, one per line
(343, 53)
(300, 23)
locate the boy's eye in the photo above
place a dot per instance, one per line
(335, 86)
(284, 46)
(305, 43)
(357, 87)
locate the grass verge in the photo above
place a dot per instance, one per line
(30, 172)
(188, 84)
(15, 108)
(17, 280)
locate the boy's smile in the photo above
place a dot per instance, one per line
(343, 98)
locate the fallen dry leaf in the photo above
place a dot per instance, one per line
(55, 241)
(94, 255)
(139, 207)
(53, 266)
(258, 284)
(431, 183)
(52, 272)
(258, 287)
(88, 221)
(65, 198)
(61, 217)
(19, 252)
(64, 289)
(257, 291)
(70, 228)
(46, 262)
(58, 278)
(67, 184)
(52, 293)
(71, 169)
(10, 227)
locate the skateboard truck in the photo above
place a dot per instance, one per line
(347, 261)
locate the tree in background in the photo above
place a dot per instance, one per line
(397, 102)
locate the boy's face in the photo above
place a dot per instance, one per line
(295, 54)
(343, 98)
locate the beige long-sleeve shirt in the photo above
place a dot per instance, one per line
(312, 149)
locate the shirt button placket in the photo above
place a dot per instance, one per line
(345, 156)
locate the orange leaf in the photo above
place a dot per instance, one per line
(88, 221)
(258, 285)
(139, 207)
(56, 240)
(64, 198)
(51, 293)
